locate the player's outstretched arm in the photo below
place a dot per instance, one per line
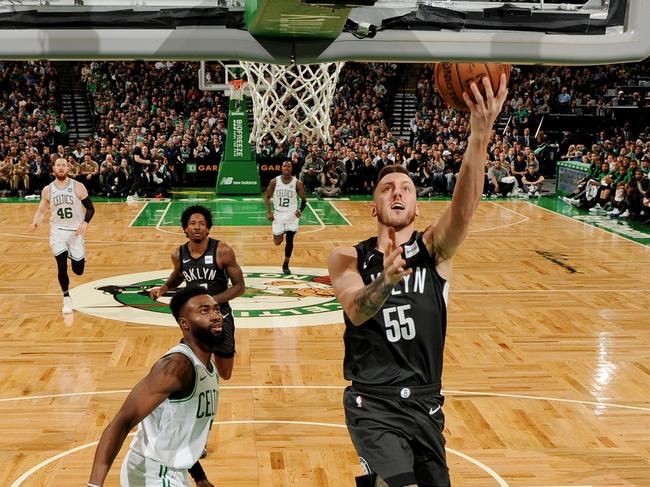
(361, 302)
(444, 237)
(170, 374)
(267, 199)
(42, 208)
(173, 281)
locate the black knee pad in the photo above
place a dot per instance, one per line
(62, 270)
(288, 249)
(78, 266)
(431, 473)
(62, 260)
(366, 480)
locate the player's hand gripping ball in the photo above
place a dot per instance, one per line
(454, 78)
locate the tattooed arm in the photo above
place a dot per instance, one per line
(361, 302)
(369, 299)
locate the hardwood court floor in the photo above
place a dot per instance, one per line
(547, 366)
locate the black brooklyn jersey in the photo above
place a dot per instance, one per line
(203, 271)
(403, 343)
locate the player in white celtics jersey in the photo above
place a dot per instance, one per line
(71, 211)
(173, 406)
(284, 213)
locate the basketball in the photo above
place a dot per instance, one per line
(454, 78)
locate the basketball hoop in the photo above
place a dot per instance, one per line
(237, 87)
(291, 100)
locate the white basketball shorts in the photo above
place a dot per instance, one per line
(138, 471)
(67, 240)
(284, 222)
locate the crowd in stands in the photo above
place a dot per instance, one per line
(617, 180)
(151, 121)
(32, 128)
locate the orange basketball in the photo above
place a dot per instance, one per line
(454, 78)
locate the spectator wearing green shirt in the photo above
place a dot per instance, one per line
(521, 113)
(622, 176)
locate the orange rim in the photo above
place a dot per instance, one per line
(237, 84)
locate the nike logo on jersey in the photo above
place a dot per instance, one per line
(365, 264)
(201, 378)
(185, 261)
(226, 315)
(434, 411)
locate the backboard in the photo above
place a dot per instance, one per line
(216, 75)
(316, 31)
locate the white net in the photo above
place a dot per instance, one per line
(291, 99)
(237, 87)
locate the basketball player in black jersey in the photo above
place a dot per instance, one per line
(393, 289)
(210, 263)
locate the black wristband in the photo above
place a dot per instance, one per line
(303, 205)
(197, 472)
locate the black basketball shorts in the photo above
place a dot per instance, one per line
(398, 433)
(226, 349)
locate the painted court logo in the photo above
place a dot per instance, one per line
(271, 300)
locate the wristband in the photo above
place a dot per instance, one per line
(303, 205)
(197, 472)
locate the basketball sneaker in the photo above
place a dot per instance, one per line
(67, 305)
(285, 268)
(574, 201)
